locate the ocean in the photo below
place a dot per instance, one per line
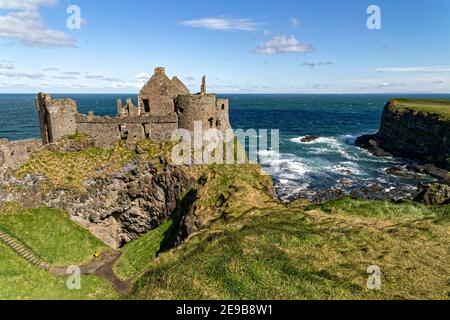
(332, 162)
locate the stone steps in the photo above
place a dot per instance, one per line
(23, 251)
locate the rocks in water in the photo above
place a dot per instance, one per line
(370, 143)
(309, 139)
(432, 170)
(402, 172)
(434, 194)
(322, 196)
(368, 192)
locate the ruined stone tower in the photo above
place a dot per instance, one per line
(157, 96)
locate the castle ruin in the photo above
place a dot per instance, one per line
(164, 105)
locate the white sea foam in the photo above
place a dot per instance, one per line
(320, 140)
(350, 138)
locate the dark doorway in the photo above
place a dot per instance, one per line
(146, 105)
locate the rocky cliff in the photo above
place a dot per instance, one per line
(120, 194)
(414, 129)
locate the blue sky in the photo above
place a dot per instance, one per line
(282, 46)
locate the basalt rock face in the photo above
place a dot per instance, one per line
(117, 208)
(411, 134)
(123, 207)
(434, 194)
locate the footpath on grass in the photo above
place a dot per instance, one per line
(101, 266)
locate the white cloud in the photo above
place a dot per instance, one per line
(143, 75)
(223, 24)
(65, 77)
(281, 44)
(100, 77)
(48, 69)
(6, 65)
(295, 22)
(312, 65)
(28, 74)
(437, 69)
(23, 22)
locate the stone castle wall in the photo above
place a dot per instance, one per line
(164, 105)
(106, 131)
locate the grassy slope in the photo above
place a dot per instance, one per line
(20, 280)
(296, 254)
(253, 247)
(54, 237)
(137, 254)
(441, 108)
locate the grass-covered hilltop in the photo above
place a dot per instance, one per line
(203, 232)
(436, 108)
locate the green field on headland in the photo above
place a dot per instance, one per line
(441, 108)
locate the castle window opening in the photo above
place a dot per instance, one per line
(211, 122)
(146, 105)
(123, 132)
(223, 106)
(218, 123)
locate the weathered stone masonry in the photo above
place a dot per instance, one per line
(164, 105)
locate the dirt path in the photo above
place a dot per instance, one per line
(101, 266)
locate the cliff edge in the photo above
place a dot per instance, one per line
(414, 129)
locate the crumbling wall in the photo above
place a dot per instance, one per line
(56, 117)
(14, 154)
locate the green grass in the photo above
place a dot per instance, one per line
(440, 108)
(291, 254)
(52, 235)
(251, 247)
(19, 281)
(384, 209)
(138, 253)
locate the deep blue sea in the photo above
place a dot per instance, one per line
(299, 168)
